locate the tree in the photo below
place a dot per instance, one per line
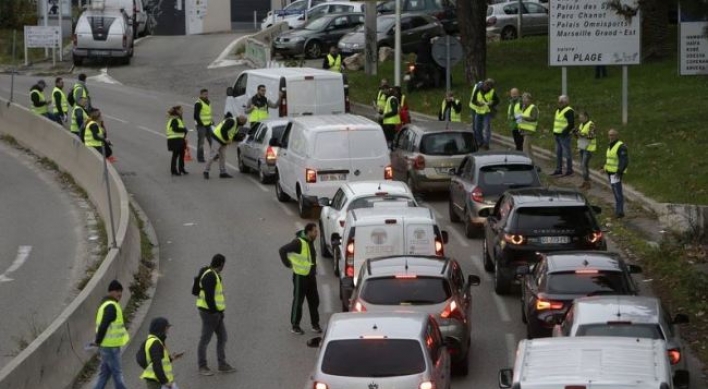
(472, 19)
(14, 14)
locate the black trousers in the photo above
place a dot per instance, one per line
(518, 139)
(109, 150)
(389, 132)
(177, 163)
(305, 287)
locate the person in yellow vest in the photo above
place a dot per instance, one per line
(155, 358)
(79, 118)
(512, 112)
(333, 60)
(450, 108)
(403, 110)
(203, 118)
(176, 133)
(527, 121)
(380, 102)
(223, 134)
(95, 135)
(483, 102)
(587, 145)
(615, 167)
(257, 108)
(60, 105)
(300, 256)
(79, 90)
(40, 105)
(563, 125)
(111, 335)
(211, 305)
(391, 116)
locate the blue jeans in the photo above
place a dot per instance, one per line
(482, 128)
(563, 151)
(110, 367)
(585, 162)
(619, 198)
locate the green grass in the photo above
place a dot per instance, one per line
(666, 130)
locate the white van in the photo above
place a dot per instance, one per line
(590, 362)
(307, 91)
(318, 153)
(386, 229)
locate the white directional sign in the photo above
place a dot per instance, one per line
(42, 36)
(693, 53)
(587, 32)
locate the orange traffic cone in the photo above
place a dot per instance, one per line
(187, 152)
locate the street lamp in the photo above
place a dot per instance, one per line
(397, 46)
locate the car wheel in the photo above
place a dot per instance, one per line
(502, 283)
(262, 177)
(488, 264)
(302, 208)
(279, 194)
(242, 166)
(470, 229)
(463, 367)
(323, 244)
(508, 33)
(453, 215)
(313, 49)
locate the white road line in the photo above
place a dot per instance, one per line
(258, 184)
(285, 208)
(115, 118)
(327, 301)
(511, 348)
(501, 307)
(479, 267)
(23, 253)
(458, 236)
(152, 131)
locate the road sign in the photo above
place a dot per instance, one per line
(42, 36)
(440, 51)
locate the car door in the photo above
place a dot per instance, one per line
(495, 224)
(535, 19)
(530, 286)
(336, 29)
(457, 187)
(399, 164)
(439, 355)
(468, 180)
(247, 147)
(284, 163)
(461, 288)
(259, 145)
(409, 38)
(331, 214)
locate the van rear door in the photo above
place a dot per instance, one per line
(368, 155)
(378, 240)
(315, 95)
(420, 237)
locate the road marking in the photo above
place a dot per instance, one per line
(104, 78)
(115, 118)
(152, 131)
(479, 267)
(258, 184)
(285, 208)
(510, 347)
(22, 255)
(501, 307)
(460, 239)
(327, 301)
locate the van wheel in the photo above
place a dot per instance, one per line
(313, 50)
(451, 209)
(241, 166)
(323, 244)
(508, 33)
(302, 208)
(279, 194)
(488, 264)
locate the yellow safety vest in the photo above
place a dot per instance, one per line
(585, 131)
(39, 110)
(454, 116)
(381, 100)
(231, 133)
(64, 103)
(205, 113)
(612, 161)
(526, 125)
(218, 293)
(396, 119)
(149, 372)
(258, 114)
(561, 122)
(301, 262)
(74, 89)
(483, 98)
(335, 64)
(168, 128)
(74, 125)
(513, 110)
(116, 335)
(88, 135)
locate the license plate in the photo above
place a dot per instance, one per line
(407, 77)
(101, 53)
(333, 177)
(554, 239)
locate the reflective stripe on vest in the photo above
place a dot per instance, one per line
(168, 128)
(301, 262)
(63, 102)
(149, 372)
(218, 293)
(454, 116)
(381, 100)
(527, 125)
(231, 133)
(74, 125)
(205, 113)
(561, 122)
(612, 161)
(335, 64)
(88, 135)
(42, 109)
(395, 119)
(116, 334)
(585, 131)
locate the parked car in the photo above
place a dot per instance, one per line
(502, 19)
(481, 179)
(415, 28)
(102, 33)
(255, 152)
(550, 286)
(427, 284)
(423, 154)
(329, 7)
(289, 13)
(444, 10)
(626, 316)
(315, 38)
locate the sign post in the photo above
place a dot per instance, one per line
(447, 52)
(397, 46)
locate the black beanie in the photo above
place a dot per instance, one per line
(115, 285)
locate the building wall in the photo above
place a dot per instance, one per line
(242, 10)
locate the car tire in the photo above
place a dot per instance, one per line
(462, 368)
(323, 244)
(488, 264)
(336, 255)
(470, 228)
(508, 33)
(454, 218)
(279, 194)
(502, 283)
(262, 177)
(313, 49)
(241, 165)
(302, 209)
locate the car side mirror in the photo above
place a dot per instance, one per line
(445, 236)
(506, 377)
(597, 209)
(485, 212)
(473, 280)
(336, 239)
(680, 318)
(274, 142)
(523, 270)
(314, 342)
(634, 269)
(323, 201)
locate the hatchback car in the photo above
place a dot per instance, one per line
(315, 38)
(426, 284)
(527, 221)
(444, 10)
(549, 288)
(502, 19)
(625, 316)
(415, 28)
(422, 154)
(329, 7)
(255, 152)
(380, 350)
(481, 179)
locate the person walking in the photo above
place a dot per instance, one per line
(562, 127)
(527, 122)
(204, 121)
(450, 108)
(616, 163)
(223, 134)
(483, 102)
(40, 105)
(80, 90)
(257, 108)
(79, 117)
(300, 256)
(111, 335)
(176, 133)
(155, 358)
(587, 145)
(512, 113)
(211, 305)
(333, 60)
(60, 105)
(95, 135)
(391, 117)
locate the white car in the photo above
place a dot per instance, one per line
(291, 12)
(329, 7)
(354, 195)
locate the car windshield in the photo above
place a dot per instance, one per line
(406, 291)
(600, 282)
(497, 179)
(447, 143)
(317, 24)
(627, 330)
(554, 218)
(373, 358)
(370, 201)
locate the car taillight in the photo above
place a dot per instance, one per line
(349, 259)
(74, 39)
(426, 385)
(283, 108)
(477, 196)
(439, 250)
(452, 311)
(542, 305)
(419, 163)
(358, 307)
(514, 239)
(319, 385)
(310, 176)
(411, 68)
(491, 21)
(125, 41)
(388, 173)
(595, 237)
(270, 155)
(674, 356)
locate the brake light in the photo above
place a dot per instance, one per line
(595, 237)
(514, 239)
(439, 250)
(349, 259)
(358, 307)
(542, 305)
(74, 39)
(452, 311)
(426, 385)
(406, 276)
(411, 68)
(477, 196)
(491, 21)
(270, 155)
(586, 271)
(310, 176)
(388, 173)
(283, 108)
(674, 356)
(319, 385)
(125, 41)
(419, 163)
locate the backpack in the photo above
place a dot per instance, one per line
(195, 285)
(70, 98)
(140, 356)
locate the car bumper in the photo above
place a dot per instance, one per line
(474, 214)
(289, 48)
(431, 181)
(100, 53)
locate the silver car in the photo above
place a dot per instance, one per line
(103, 34)
(255, 152)
(380, 350)
(502, 19)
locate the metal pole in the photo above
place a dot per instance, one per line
(46, 23)
(397, 46)
(255, 21)
(447, 63)
(564, 80)
(61, 30)
(108, 193)
(625, 94)
(14, 67)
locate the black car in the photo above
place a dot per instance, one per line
(444, 10)
(549, 287)
(316, 37)
(530, 220)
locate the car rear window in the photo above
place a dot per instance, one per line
(499, 178)
(646, 331)
(278, 131)
(371, 201)
(373, 358)
(554, 218)
(406, 291)
(602, 282)
(447, 143)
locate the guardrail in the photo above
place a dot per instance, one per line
(54, 358)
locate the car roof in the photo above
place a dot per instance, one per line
(427, 265)
(338, 14)
(600, 309)
(571, 261)
(438, 126)
(275, 122)
(407, 14)
(371, 187)
(486, 158)
(547, 197)
(392, 325)
(377, 213)
(294, 71)
(321, 123)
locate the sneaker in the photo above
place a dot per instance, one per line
(556, 173)
(225, 175)
(316, 329)
(567, 174)
(206, 175)
(205, 371)
(297, 330)
(226, 368)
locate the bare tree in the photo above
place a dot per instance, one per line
(472, 19)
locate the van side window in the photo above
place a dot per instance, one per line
(240, 86)
(297, 142)
(286, 136)
(338, 200)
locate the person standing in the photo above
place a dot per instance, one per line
(300, 256)
(562, 127)
(333, 60)
(512, 113)
(60, 105)
(211, 304)
(528, 123)
(176, 133)
(617, 160)
(587, 144)
(381, 96)
(80, 90)
(111, 335)
(257, 108)
(450, 108)
(40, 105)
(79, 117)
(155, 358)
(391, 117)
(404, 111)
(483, 102)
(203, 118)
(95, 135)
(223, 134)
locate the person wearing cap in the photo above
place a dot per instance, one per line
(176, 133)
(40, 105)
(111, 335)
(60, 104)
(223, 134)
(155, 358)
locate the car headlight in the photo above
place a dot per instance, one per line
(355, 45)
(297, 39)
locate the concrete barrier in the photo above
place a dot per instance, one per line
(257, 53)
(53, 360)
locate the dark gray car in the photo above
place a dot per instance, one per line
(314, 38)
(414, 28)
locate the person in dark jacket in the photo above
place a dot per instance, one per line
(450, 109)
(223, 134)
(176, 133)
(111, 335)
(300, 256)
(203, 118)
(95, 134)
(157, 359)
(40, 105)
(615, 167)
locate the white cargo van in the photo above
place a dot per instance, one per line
(385, 229)
(590, 362)
(318, 153)
(307, 91)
